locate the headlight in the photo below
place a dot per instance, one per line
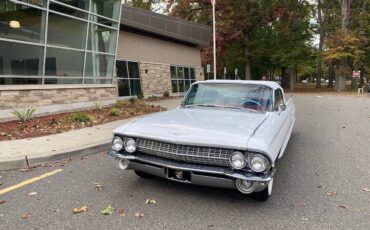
(237, 160)
(130, 145)
(117, 144)
(258, 163)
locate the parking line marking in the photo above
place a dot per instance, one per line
(26, 182)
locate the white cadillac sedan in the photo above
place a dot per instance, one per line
(225, 134)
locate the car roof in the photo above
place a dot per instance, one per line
(271, 84)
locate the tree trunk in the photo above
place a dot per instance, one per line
(284, 79)
(292, 79)
(345, 7)
(331, 75)
(341, 78)
(319, 52)
(362, 80)
(247, 64)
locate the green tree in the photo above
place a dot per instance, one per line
(143, 4)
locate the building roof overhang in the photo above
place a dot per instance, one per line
(173, 28)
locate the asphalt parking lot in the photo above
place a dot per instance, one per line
(322, 182)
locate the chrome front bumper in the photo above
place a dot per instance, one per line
(214, 176)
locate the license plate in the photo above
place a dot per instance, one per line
(179, 175)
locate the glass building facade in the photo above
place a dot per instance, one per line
(58, 41)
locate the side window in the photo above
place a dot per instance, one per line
(278, 99)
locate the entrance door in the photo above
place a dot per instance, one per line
(128, 78)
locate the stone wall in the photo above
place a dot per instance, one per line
(155, 79)
(34, 96)
(199, 71)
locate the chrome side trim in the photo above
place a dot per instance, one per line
(259, 125)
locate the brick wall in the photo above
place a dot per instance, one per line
(33, 96)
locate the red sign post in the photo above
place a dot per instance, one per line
(356, 73)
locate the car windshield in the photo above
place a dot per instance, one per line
(234, 96)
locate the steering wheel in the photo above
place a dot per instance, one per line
(250, 101)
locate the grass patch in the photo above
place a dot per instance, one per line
(79, 117)
(114, 112)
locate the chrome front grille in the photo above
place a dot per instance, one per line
(193, 154)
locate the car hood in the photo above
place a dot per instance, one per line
(224, 128)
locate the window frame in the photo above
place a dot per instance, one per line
(89, 20)
(129, 78)
(282, 99)
(186, 80)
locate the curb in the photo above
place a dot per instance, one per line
(55, 156)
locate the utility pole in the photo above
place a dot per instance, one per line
(214, 37)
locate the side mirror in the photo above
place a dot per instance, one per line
(282, 107)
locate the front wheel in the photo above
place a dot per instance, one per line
(264, 194)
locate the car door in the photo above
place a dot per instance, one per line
(283, 118)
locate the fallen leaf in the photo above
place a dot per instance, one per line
(122, 212)
(108, 210)
(150, 201)
(366, 189)
(331, 193)
(79, 210)
(2, 201)
(32, 193)
(56, 210)
(98, 186)
(24, 170)
(210, 225)
(25, 216)
(342, 206)
(46, 165)
(139, 214)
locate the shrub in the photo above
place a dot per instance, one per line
(23, 116)
(140, 96)
(152, 97)
(114, 112)
(98, 105)
(119, 103)
(79, 117)
(166, 94)
(132, 100)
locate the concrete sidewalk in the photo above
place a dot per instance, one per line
(6, 115)
(64, 145)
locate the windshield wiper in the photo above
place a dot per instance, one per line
(201, 105)
(240, 108)
(222, 106)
